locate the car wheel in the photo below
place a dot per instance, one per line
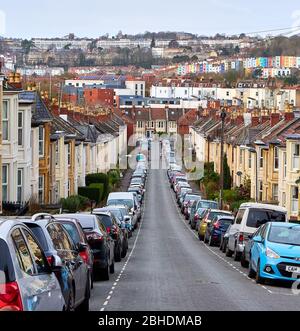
(210, 241)
(118, 254)
(105, 272)
(205, 239)
(236, 255)
(224, 245)
(71, 301)
(193, 225)
(124, 251)
(92, 280)
(200, 237)
(112, 268)
(251, 272)
(258, 278)
(85, 305)
(244, 262)
(228, 251)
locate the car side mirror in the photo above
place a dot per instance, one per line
(258, 239)
(82, 247)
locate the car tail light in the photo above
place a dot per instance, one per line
(10, 297)
(217, 225)
(196, 218)
(114, 230)
(50, 259)
(205, 220)
(85, 256)
(94, 236)
(108, 230)
(241, 237)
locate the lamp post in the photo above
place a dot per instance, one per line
(223, 117)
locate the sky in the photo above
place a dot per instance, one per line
(92, 18)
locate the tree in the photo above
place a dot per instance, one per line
(173, 44)
(227, 176)
(153, 42)
(27, 45)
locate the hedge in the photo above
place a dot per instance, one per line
(92, 193)
(114, 177)
(98, 178)
(99, 186)
(74, 203)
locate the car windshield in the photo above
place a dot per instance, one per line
(127, 202)
(261, 216)
(208, 204)
(117, 213)
(285, 235)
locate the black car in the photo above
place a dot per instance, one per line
(113, 229)
(119, 216)
(78, 236)
(100, 242)
(74, 275)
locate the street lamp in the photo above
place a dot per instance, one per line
(223, 117)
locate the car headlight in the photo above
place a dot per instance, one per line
(271, 254)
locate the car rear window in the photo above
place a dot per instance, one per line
(212, 214)
(127, 202)
(263, 216)
(191, 197)
(106, 220)
(72, 231)
(225, 223)
(87, 222)
(7, 273)
(208, 204)
(39, 234)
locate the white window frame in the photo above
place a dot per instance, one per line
(275, 197)
(41, 142)
(276, 158)
(69, 154)
(57, 153)
(41, 189)
(21, 128)
(296, 156)
(20, 185)
(5, 120)
(295, 199)
(5, 169)
(284, 164)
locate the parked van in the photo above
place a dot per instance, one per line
(128, 199)
(250, 217)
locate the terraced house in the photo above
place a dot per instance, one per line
(261, 146)
(47, 150)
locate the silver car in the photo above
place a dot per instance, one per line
(27, 281)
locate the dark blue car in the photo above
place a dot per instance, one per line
(217, 227)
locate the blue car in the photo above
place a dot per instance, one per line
(275, 252)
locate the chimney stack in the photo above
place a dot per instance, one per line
(255, 119)
(288, 113)
(275, 117)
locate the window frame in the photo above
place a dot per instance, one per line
(4, 119)
(41, 142)
(21, 128)
(5, 184)
(20, 189)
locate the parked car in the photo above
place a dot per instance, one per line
(250, 217)
(27, 281)
(205, 204)
(224, 239)
(128, 199)
(113, 221)
(209, 216)
(200, 214)
(74, 276)
(188, 200)
(78, 236)
(101, 243)
(275, 251)
(216, 228)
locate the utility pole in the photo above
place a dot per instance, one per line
(223, 117)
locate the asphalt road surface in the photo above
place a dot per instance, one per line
(169, 269)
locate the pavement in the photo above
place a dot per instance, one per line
(169, 269)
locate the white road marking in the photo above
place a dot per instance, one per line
(208, 248)
(128, 259)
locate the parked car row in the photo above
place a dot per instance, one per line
(50, 262)
(259, 235)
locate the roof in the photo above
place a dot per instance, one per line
(262, 206)
(158, 114)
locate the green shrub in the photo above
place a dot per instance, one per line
(230, 196)
(98, 178)
(114, 177)
(74, 203)
(92, 193)
(100, 187)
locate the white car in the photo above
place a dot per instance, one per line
(250, 217)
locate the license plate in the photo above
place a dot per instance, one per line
(293, 269)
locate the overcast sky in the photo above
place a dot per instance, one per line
(92, 18)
